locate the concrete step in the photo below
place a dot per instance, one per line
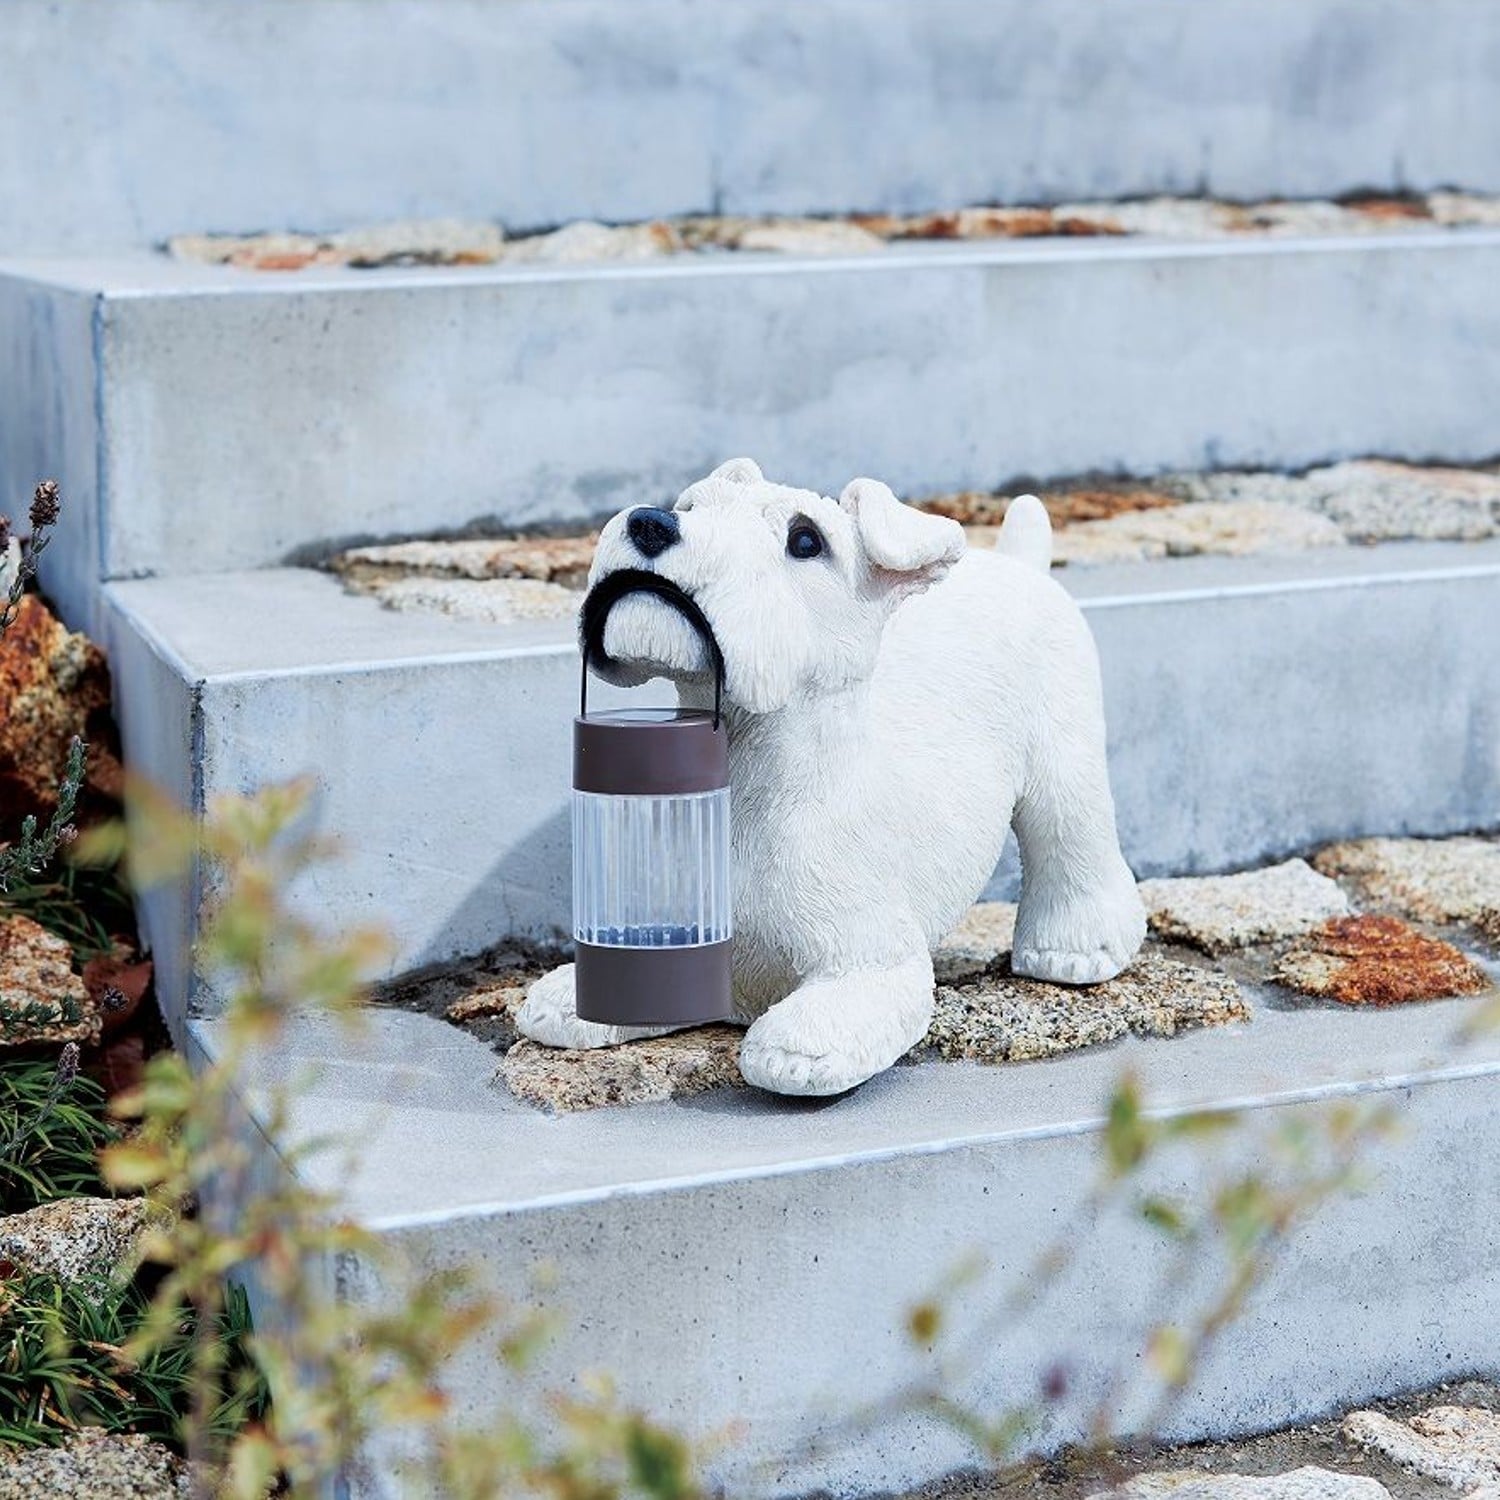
(1256, 705)
(537, 111)
(212, 419)
(742, 1262)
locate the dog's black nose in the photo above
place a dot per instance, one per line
(653, 530)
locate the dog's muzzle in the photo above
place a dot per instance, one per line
(618, 585)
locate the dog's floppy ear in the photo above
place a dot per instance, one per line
(908, 549)
(739, 471)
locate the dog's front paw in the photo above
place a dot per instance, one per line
(832, 1035)
(549, 1015)
(1086, 941)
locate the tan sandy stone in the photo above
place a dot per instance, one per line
(807, 237)
(1308, 1483)
(669, 1067)
(585, 241)
(986, 932)
(496, 601)
(1428, 880)
(549, 559)
(1456, 1446)
(41, 998)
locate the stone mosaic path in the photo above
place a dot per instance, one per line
(1224, 514)
(447, 242)
(1218, 945)
(1438, 1445)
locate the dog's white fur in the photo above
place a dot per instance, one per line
(894, 705)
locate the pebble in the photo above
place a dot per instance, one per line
(1001, 1018)
(1374, 960)
(74, 1239)
(1219, 913)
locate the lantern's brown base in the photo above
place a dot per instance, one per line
(653, 986)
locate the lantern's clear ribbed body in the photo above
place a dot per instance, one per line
(651, 872)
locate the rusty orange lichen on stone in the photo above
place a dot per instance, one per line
(1067, 506)
(51, 681)
(1374, 960)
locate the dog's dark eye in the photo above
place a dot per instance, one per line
(804, 540)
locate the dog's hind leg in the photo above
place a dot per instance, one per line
(830, 1034)
(549, 1015)
(1081, 920)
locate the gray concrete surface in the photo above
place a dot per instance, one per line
(191, 115)
(243, 417)
(1256, 706)
(740, 1259)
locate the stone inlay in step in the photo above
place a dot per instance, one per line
(1001, 1018)
(669, 1067)
(1456, 1446)
(498, 580)
(74, 1239)
(980, 941)
(41, 998)
(1221, 913)
(1375, 960)
(471, 243)
(1308, 1483)
(1453, 880)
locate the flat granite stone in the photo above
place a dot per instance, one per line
(95, 1465)
(1002, 1018)
(73, 1239)
(1374, 960)
(41, 998)
(585, 241)
(1219, 913)
(669, 1067)
(1222, 528)
(1429, 880)
(1456, 1446)
(496, 601)
(984, 936)
(549, 559)
(1309, 1483)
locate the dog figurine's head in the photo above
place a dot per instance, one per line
(795, 587)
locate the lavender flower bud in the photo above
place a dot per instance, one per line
(115, 1000)
(45, 505)
(67, 1066)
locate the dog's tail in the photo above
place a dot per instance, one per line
(1026, 533)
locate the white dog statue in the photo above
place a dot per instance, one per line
(894, 705)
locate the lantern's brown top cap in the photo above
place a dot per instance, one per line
(649, 752)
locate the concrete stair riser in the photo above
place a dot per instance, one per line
(534, 111)
(1256, 706)
(756, 1266)
(395, 403)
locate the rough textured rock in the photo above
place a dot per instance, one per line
(1301, 1484)
(1429, 880)
(585, 241)
(1000, 1018)
(548, 559)
(1374, 500)
(670, 1067)
(440, 242)
(495, 1000)
(1067, 506)
(1460, 210)
(74, 1238)
(1457, 1446)
(1234, 528)
(495, 601)
(41, 998)
(808, 237)
(1374, 960)
(51, 681)
(986, 932)
(1219, 913)
(95, 1465)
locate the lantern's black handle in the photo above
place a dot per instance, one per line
(608, 592)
